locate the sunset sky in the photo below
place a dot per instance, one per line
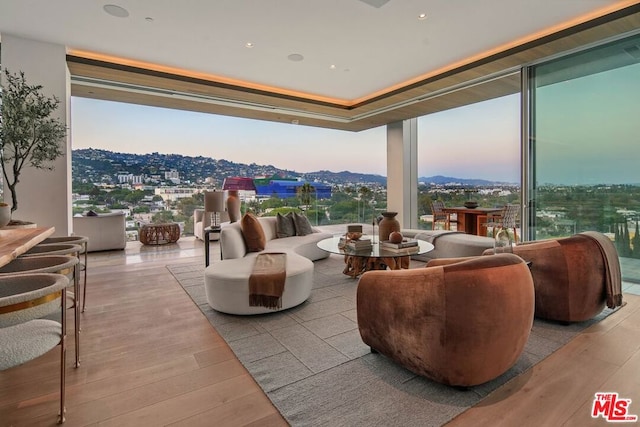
(586, 131)
(464, 143)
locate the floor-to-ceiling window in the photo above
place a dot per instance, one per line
(470, 152)
(585, 147)
(351, 164)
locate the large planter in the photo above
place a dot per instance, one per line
(233, 206)
(388, 225)
(5, 214)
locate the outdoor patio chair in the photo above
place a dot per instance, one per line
(505, 219)
(439, 216)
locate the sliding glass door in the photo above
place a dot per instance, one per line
(585, 147)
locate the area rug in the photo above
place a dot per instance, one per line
(312, 364)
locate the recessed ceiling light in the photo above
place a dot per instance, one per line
(148, 19)
(332, 66)
(248, 45)
(295, 57)
(115, 10)
(422, 16)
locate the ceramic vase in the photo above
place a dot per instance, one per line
(233, 206)
(388, 225)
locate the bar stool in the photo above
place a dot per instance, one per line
(24, 334)
(60, 249)
(60, 264)
(83, 241)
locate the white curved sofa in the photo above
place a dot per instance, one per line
(227, 280)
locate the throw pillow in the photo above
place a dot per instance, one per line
(285, 226)
(303, 227)
(253, 233)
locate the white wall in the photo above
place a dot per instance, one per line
(44, 196)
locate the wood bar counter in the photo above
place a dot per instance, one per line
(16, 241)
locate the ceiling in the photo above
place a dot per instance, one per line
(344, 64)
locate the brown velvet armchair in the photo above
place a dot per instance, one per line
(573, 276)
(460, 324)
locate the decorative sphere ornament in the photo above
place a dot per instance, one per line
(395, 237)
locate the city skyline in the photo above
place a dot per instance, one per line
(113, 126)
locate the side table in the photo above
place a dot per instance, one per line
(159, 234)
(207, 231)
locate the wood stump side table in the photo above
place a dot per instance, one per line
(159, 234)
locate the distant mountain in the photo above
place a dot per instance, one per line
(345, 177)
(451, 181)
(96, 166)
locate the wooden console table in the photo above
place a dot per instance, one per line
(159, 234)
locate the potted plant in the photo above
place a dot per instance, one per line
(5, 214)
(29, 136)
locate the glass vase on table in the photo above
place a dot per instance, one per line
(502, 242)
(373, 230)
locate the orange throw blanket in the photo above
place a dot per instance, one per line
(266, 283)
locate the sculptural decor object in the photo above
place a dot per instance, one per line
(388, 225)
(470, 204)
(233, 206)
(395, 237)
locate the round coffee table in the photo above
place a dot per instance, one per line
(376, 258)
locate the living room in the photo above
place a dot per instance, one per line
(121, 301)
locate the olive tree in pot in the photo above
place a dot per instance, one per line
(29, 136)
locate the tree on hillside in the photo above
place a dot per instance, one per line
(627, 241)
(135, 197)
(162, 217)
(365, 197)
(636, 242)
(304, 193)
(187, 205)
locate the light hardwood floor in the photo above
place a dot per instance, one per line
(150, 358)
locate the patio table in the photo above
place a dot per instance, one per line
(470, 220)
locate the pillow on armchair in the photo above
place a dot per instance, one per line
(253, 233)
